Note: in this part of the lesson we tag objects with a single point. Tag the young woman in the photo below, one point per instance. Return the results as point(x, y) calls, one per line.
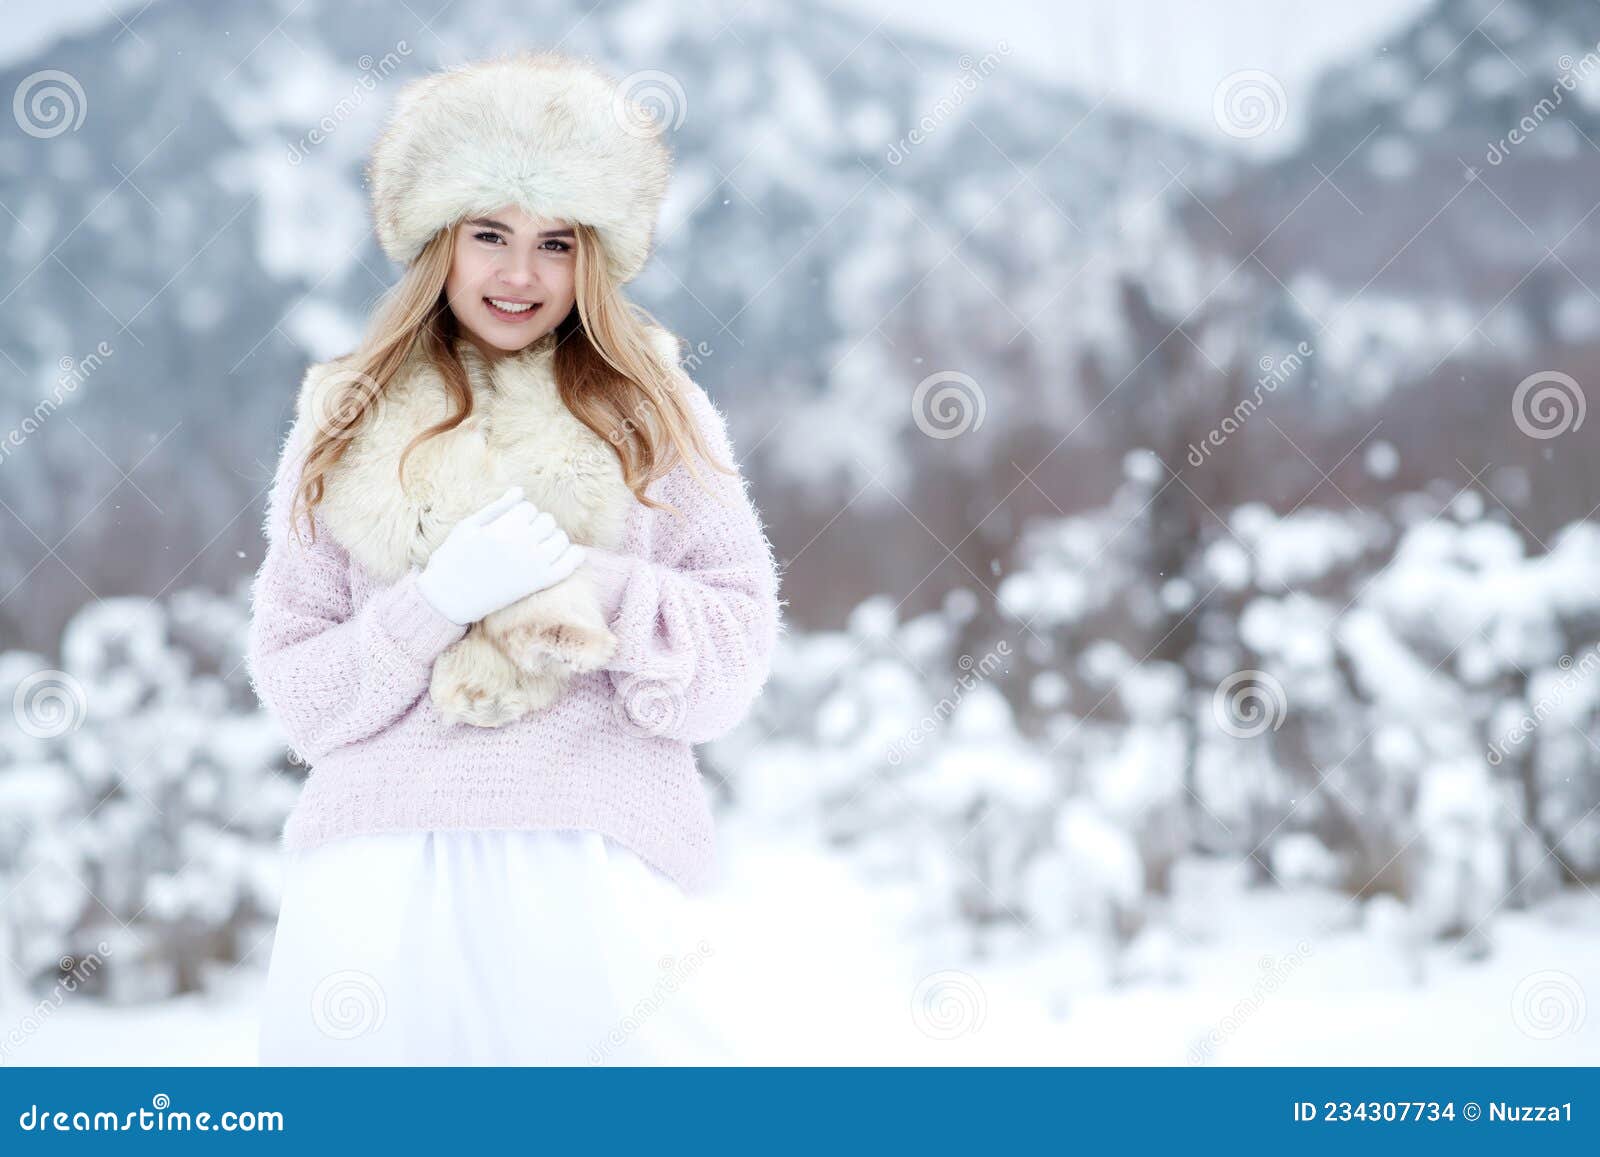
point(494, 857)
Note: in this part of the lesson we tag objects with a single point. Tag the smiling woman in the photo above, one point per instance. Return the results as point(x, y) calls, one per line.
point(512, 279)
point(500, 695)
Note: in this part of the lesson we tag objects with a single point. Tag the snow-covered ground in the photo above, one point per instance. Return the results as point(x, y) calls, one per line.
point(810, 966)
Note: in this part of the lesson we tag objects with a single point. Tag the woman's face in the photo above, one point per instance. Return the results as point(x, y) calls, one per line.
point(503, 264)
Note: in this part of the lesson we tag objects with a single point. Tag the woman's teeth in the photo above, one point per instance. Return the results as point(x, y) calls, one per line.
point(514, 308)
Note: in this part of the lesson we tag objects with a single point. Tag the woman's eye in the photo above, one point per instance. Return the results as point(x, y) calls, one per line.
point(561, 246)
point(488, 235)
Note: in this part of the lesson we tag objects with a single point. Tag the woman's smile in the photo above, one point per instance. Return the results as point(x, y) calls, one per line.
point(512, 309)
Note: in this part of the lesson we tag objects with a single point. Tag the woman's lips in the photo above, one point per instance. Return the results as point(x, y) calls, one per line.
point(512, 315)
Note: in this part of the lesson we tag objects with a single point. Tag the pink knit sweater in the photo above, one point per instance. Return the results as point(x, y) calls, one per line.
point(344, 664)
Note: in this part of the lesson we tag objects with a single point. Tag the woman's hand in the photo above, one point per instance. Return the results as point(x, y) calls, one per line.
point(490, 559)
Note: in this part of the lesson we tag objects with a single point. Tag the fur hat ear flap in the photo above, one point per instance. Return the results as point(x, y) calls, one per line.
point(549, 133)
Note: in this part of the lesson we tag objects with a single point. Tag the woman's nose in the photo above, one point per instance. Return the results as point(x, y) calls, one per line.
point(520, 272)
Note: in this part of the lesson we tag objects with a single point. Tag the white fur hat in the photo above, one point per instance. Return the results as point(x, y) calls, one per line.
point(547, 132)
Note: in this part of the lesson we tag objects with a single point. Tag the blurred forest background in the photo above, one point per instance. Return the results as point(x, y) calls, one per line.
point(1189, 523)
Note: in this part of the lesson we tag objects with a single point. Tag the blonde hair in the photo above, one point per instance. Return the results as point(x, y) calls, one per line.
point(605, 367)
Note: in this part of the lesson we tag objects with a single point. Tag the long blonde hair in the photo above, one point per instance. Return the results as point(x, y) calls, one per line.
point(605, 367)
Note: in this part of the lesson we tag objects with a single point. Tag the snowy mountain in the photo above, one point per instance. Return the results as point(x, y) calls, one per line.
point(1432, 242)
point(1416, 138)
point(205, 220)
point(871, 242)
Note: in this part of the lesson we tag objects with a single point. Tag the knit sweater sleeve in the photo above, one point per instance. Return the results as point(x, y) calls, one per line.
point(330, 674)
point(697, 618)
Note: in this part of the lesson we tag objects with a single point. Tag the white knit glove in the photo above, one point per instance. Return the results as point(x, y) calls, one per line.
point(490, 559)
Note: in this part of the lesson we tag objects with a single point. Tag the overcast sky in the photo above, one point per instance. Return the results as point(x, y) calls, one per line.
point(1165, 57)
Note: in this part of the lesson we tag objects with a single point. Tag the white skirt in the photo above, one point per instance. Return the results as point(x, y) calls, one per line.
point(521, 947)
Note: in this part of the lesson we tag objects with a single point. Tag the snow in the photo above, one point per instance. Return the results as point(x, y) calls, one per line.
point(910, 839)
point(812, 966)
point(1062, 850)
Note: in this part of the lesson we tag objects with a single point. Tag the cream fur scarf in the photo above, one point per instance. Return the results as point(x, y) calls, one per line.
point(518, 659)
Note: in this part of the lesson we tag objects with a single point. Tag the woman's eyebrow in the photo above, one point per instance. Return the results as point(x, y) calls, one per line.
point(490, 223)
